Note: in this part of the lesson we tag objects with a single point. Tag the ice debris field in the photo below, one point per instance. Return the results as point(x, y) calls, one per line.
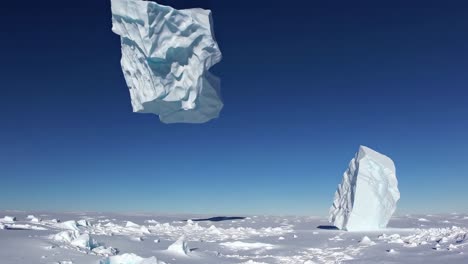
point(100, 238)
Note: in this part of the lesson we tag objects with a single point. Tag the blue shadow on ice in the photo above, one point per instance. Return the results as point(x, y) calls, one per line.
point(327, 227)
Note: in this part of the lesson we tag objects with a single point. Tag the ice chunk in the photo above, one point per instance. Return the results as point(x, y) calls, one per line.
point(33, 219)
point(23, 227)
point(83, 222)
point(367, 197)
point(179, 247)
point(9, 219)
point(166, 55)
point(84, 241)
point(105, 251)
point(68, 225)
point(366, 241)
point(131, 224)
point(66, 236)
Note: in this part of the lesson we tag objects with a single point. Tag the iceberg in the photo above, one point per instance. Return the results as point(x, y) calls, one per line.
point(166, 55)
point(367, 197)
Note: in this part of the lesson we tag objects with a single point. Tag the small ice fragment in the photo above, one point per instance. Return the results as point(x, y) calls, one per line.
point(33, 219)
point(179, 247)
point(131, 224)
point(138, 239)
point(105, 251)
point(83, 222)
point(366, 241)
point(8, 219)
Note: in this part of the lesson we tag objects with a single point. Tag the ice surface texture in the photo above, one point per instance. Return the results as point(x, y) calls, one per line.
point(252, 240)
point(130, 259)
point(367, 197)
point(166, 55)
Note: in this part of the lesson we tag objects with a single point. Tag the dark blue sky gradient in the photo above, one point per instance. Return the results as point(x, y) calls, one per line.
point(304, 84)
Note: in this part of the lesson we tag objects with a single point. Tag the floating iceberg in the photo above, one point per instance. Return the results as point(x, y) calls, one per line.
point(166, 55)
point(367, 197)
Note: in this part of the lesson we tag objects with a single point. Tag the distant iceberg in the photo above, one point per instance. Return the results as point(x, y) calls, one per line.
point(368, 195)
point(166, 55)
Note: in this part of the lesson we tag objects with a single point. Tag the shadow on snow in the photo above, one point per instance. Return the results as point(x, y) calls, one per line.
point(218, 219)
point(327, 227)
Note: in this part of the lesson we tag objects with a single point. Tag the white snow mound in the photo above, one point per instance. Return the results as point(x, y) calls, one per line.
point(130, 259)
point(240, 245)
point(367, 197)
point(131, 224)
point(33, 219)
point(166, 55)
point(366, 241)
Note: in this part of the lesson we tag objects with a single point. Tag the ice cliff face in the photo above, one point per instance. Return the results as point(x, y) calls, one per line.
point(367, 197)
point(166, 54)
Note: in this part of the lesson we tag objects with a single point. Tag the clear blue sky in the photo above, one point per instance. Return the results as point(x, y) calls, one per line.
point(304, 84)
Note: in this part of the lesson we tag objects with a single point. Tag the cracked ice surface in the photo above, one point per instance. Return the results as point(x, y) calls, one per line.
point(367, 197)
point(166, 55)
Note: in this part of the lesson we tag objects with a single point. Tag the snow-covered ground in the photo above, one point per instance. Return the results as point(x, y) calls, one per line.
point(98, 238)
